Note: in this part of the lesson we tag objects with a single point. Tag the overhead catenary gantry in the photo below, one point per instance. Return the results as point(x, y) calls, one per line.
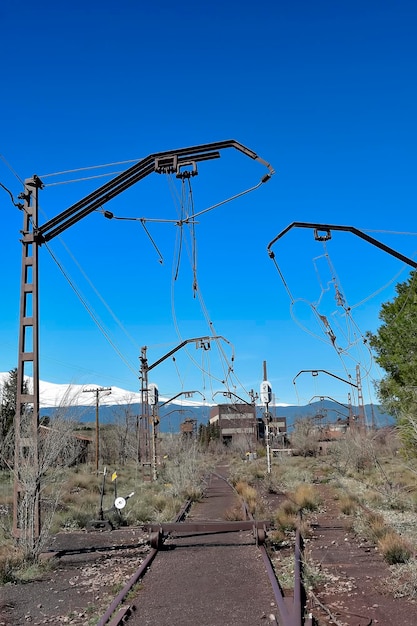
point(34, 235)
point(323, 232)
point(148, 441)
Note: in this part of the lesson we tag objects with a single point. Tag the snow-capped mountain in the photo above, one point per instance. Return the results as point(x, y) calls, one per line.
point(59, 395)
point(82, 400)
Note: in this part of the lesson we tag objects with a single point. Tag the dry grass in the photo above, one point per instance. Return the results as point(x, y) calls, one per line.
point(235, 513)
point(276, 538)
point(306, 497)
point(348, 505)
point(289, 507)
point(84, 479)
point(285, 520)
point(377, 526)
point(249, 495)
point(394, 548)
point(402, 581)
point(10, 560)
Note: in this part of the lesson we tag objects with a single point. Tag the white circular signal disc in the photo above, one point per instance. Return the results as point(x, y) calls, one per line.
point(120, 503)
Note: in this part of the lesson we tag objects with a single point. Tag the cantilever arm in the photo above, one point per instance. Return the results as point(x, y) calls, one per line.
point(351, 229)
point(160, 162)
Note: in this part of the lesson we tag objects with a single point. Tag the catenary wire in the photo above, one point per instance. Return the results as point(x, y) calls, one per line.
point(89, 167)
point(100, 297)
point(3, 158)
point(72, 284)
point(84, 178)
point(89, 310)
point(182, 211)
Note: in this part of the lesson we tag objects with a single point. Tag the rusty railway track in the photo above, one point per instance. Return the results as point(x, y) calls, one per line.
point(200, 527)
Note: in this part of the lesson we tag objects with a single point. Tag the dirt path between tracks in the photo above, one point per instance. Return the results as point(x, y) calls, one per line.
point(356, 589)
point(78, 587)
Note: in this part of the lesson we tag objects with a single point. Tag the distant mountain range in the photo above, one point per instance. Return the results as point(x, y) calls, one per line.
point(80, 405)
point(173, 414)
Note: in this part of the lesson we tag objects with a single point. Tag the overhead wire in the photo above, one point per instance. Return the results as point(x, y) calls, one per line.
point(341, 302)
point(185, 201)
point(90, 311)
point(13, 201)
point(15, 174)
point(352, 334)
point(238, 195)
point(88, 307)
point(388, 232)
point(196, 289)
point(185, 218)
point(60, 266)
point(84, 178)
point(284, 282)
point(100, 297)
point(89, 167)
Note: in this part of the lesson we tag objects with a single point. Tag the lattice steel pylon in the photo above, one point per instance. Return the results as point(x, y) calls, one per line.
point(28, 519)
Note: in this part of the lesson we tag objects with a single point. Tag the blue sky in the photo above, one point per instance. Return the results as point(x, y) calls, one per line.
point(325, 92)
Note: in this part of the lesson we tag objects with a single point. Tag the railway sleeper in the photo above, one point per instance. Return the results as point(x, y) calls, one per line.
point(157, 532)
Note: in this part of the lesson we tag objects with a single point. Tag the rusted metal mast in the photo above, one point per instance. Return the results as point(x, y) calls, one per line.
point(27, 399)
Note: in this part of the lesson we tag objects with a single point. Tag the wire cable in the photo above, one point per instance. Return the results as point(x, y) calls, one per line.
point(90, 167)
point(16, 204)
point(89, 310)
point(84, 178)
point(3, 158)
point(100, 297)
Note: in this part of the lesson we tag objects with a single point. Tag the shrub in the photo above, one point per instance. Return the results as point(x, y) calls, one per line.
point(10, 560)
point(306, 497)
point(394, 548)
point(403, 580)
point(248, 494)
point(285, 520)
point(348, 505)
point(235, 513)
point(377, 527)
point(276, 538)
point(289, 507)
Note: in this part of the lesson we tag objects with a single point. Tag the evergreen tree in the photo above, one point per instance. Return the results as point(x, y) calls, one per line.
point(8, 394)
point(395, 347)
point(8, 403)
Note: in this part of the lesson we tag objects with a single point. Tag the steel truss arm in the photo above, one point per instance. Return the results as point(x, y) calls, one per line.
point(162, 163)
point(327, 228)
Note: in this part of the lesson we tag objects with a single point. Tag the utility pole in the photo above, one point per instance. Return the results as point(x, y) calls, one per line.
point(266, 397)
point(144, 420)
point(361, 410)
point(97, 392)
point(26, 424)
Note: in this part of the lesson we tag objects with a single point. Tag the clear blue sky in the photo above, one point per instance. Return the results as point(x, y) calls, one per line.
point(325, 91)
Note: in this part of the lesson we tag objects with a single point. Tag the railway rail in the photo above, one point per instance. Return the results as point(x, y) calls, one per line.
point(207, 569)
point(214, 565)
